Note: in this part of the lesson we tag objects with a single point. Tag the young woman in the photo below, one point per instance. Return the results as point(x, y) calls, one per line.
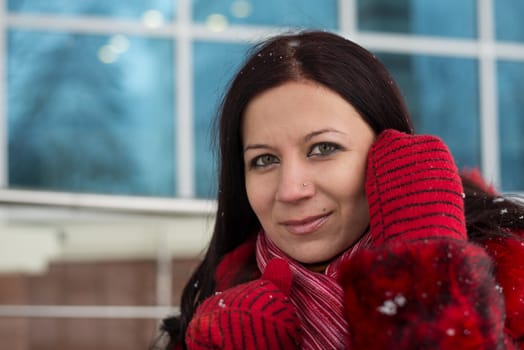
point(337, 228)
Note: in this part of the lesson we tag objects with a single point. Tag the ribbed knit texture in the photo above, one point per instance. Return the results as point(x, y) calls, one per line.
point(253, 315)
point(417, 237)
point(413, 189)
point(317, 297)
point(419, 284)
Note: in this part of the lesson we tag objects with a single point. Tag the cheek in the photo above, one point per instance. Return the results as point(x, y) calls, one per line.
point(258, 196)
point(350, 180)
point(348, 189)
point(356, 195)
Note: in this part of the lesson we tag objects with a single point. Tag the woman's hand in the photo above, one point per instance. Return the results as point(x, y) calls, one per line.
point(414, 190)
point(253, 315)
point(419, 284)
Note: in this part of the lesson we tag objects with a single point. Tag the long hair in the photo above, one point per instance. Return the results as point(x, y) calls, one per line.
point(488, 213)
point(320, 57)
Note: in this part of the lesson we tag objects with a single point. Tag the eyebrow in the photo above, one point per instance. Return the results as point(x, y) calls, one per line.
point(307, 138)
point(255, 146)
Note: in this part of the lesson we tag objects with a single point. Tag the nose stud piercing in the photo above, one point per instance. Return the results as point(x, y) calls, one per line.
point(304, 184)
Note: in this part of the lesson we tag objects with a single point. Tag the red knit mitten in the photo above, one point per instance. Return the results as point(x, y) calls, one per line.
point(420, 285)
point(435, 295)
point(413, 188)
point(253, 315)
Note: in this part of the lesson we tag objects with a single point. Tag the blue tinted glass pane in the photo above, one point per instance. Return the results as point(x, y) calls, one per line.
point(442, 97)
point(214, 66)
point(511, 124)
point(303, 13)
point(441, 18)
point(509, 23)
point(114, 8)
point(90, 113)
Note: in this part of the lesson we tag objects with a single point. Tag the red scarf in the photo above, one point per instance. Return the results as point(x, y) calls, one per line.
point(318, 297)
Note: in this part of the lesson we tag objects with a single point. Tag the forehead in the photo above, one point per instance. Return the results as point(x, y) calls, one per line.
point(296, 107)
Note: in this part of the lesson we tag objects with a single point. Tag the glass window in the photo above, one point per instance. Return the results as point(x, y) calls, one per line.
point(440, 18)
point(304, 13)
point(508, 20)
point(90, 113)
point(442, 97)
point(511, 124)
point(214, 67)
point(151, 10)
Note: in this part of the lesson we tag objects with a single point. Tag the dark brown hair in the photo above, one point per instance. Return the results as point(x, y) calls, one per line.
point(321, 57)
point(488, 213)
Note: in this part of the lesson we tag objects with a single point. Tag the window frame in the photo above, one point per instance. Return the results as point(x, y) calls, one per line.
point(184, 32)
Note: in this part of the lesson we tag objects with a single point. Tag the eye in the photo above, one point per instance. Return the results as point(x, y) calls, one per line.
point(323, 149)
point(264, 161)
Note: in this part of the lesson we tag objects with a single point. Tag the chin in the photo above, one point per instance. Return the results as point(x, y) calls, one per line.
point(316, 259)
point(313, 252)
point(309, 261)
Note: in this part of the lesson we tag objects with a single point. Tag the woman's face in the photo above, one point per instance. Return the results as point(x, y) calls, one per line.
point(305, 151)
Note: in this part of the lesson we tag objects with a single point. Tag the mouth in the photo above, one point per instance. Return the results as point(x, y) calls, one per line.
point(306, 225)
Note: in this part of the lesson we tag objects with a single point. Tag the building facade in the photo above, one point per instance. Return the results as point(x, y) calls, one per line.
point(107, 166)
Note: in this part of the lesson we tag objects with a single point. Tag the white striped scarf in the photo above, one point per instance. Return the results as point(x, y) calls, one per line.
point(317, 297)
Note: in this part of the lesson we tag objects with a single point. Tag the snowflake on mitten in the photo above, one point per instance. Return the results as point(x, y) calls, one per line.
point(433, 295)
point(419, 284)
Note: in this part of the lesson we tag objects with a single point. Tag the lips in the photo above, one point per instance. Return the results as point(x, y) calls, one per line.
point(306, 225)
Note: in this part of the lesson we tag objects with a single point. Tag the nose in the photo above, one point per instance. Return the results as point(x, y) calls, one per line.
point(294, 183)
